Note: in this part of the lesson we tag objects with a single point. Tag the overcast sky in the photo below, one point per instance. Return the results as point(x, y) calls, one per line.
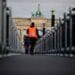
point(24, 8)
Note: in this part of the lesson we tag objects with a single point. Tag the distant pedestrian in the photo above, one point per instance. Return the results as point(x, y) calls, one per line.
point(26, 44)
point(33, 35)
point(44, 29)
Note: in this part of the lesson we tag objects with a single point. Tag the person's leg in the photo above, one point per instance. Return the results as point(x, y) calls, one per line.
point(30, 45)
point(32, 42)
point(26, 51)
point(33, 45)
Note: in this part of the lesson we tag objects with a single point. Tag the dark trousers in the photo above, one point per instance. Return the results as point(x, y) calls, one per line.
point(32, 43)
point(26, 50)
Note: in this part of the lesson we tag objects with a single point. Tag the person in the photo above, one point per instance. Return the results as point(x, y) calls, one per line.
point(33, 35)
point(26, 44)
point(43, 29)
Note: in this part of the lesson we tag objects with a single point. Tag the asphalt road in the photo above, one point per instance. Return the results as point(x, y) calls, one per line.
point(37, 65)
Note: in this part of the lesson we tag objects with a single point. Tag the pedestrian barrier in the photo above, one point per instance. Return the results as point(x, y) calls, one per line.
point(60, 39)
point(9, 37)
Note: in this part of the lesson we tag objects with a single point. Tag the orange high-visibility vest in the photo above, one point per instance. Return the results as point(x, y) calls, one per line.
point(32, 32)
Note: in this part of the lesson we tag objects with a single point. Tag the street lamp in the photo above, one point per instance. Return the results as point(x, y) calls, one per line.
point(53, 18)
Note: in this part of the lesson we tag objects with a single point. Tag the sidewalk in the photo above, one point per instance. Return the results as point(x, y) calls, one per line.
point(10, 54)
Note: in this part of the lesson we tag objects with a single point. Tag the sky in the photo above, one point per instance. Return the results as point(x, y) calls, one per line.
point(24, 8)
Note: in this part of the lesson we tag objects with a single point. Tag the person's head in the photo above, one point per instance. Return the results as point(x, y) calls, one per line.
point(25, 36)
point(32, 24)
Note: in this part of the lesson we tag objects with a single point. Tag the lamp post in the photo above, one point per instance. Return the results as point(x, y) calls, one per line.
point(52, 18)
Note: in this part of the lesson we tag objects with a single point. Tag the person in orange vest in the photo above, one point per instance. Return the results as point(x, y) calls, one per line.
point(33, 35)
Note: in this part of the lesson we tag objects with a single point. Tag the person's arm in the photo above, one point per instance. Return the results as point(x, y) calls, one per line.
point(27, 31)
point(37, 33)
